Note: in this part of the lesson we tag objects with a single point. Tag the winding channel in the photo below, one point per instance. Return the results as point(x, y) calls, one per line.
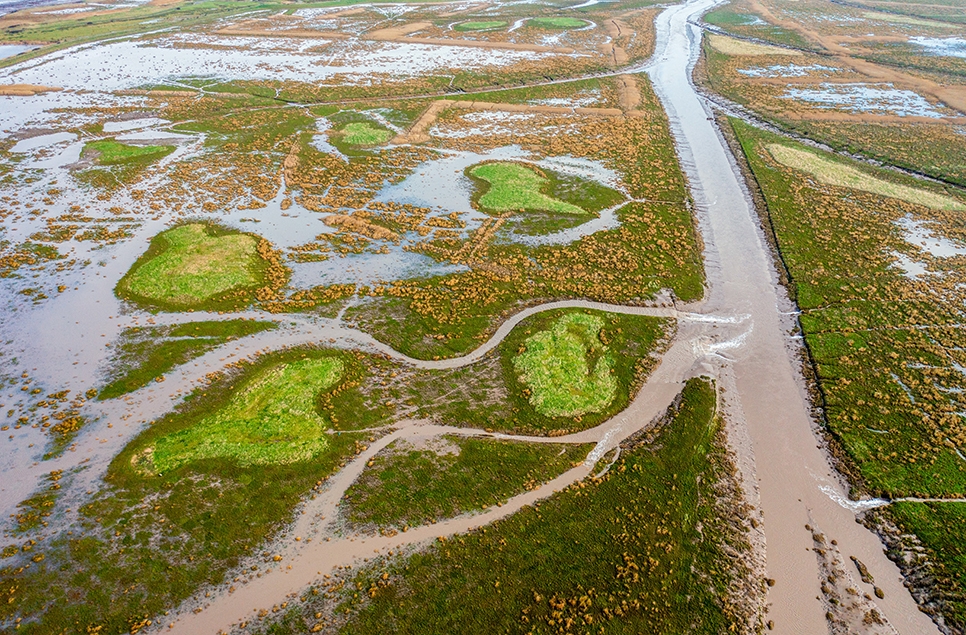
point(739, 335)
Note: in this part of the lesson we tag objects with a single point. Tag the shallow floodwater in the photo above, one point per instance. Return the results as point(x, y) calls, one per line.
point(942, 46)
point(9, 50)
point(881, 99)
point(141, 62)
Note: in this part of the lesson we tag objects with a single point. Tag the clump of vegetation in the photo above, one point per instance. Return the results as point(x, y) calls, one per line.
point(274, 419)
point(480, 25)
point(365, 133)
point(413, 486)
point(661, 543)
point(556, 23)
point(200, 266)
point(514, 187)
point(111, 152)
point(146, 353)
point(567, 369)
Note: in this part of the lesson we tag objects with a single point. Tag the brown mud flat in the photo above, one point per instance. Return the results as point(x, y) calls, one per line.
point(419, 132)
point(25, 90)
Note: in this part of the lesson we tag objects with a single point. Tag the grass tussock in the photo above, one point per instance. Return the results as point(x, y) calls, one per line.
point(514, 187)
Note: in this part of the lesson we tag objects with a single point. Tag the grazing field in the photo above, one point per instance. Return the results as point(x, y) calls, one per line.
point(557, 23)
point(642, 565)
point(407, 485)
point(885, 343)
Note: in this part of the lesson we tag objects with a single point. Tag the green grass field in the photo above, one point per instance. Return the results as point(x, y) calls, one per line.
point(364, 133)
point(191, 265)
point(481, 25)
point(410, 486)
point(650, 548)
point(146, 353)
point(568, 371)
point(273, 420)
point(514, 187)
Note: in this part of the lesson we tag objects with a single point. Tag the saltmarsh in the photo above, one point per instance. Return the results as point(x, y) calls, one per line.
point(144, 354)
point(839, 174)
point(568, 371)
point(887, 349)
point(364, 133)
point(273, 420)
point(111, 152)
point(482, 25)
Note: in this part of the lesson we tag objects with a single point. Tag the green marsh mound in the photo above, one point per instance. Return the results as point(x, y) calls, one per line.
point(483, 25)
point(196, 265)
point(567, 369)
point(274, 420)
point(513, 187)
point(364, 133)
point(556, 23)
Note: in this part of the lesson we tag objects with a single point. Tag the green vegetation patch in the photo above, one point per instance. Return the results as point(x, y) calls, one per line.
point(111, 152)
point(567, 369)
point(513, 187)
point(840, 175)
point(195, 264)
point(655, 546)
point(365, 133)
point(413, 486)
point(483, 25)
point(557, 23)
point(146, 353)
point(274, 420)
